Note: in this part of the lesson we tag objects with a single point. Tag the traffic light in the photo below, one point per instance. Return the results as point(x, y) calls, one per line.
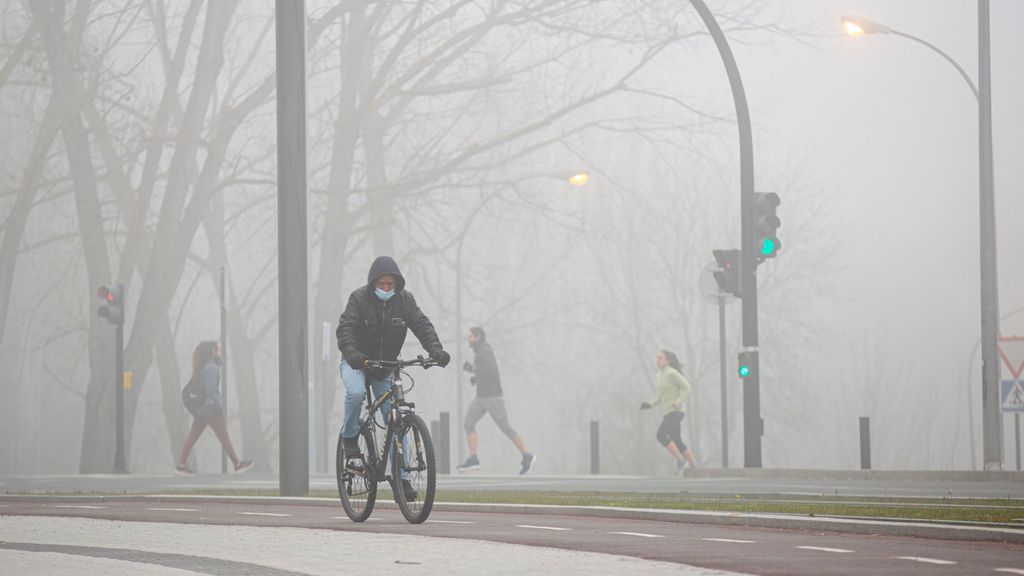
point(766, 225)
point(728, 275)
point(113, 303)
point(746, 364)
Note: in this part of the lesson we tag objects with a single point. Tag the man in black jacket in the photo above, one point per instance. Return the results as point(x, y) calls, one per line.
point(373, 327)
point(488, 400)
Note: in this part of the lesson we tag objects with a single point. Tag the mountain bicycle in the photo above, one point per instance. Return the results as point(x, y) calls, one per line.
point(406, 443)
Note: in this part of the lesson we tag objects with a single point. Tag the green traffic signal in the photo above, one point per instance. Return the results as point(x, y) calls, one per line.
point(744, 371)
point(768, 246)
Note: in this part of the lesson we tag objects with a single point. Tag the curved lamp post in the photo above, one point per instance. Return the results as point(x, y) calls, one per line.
point(991, 422)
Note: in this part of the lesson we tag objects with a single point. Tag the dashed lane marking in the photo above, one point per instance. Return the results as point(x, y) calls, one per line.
point(79, 506)
point(172, 509)
point(1008, 570)
point(541, 527)
point(347, 518)
point(640, 534)
point(265, 514)
point(451, 522)
point(730, 540)
point(927, 560)
point(823, 549)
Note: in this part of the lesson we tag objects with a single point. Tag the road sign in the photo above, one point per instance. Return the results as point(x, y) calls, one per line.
point(1011, 395)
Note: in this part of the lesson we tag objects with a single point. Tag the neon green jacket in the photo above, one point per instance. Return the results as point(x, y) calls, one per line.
point(672, 390)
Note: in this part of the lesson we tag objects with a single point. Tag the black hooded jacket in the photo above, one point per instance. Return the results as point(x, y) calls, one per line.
point(376, 328)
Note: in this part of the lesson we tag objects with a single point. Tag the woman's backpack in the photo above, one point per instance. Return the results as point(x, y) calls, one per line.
point(193, 396)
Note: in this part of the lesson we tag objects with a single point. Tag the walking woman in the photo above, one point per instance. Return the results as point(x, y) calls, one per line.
point(206, 369)
point(672, 389)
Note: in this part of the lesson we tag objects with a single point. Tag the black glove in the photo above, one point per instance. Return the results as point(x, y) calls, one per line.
point(441, 357)
point(357, 361)
point(645, 405)
point(472, 380)
point(467, 366)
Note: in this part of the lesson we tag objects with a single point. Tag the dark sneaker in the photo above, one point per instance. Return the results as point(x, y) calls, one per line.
point(410, 492)
point(243, 467)
point(351, 447)
point(182, 470)
point(527, 463)
point(471, 463)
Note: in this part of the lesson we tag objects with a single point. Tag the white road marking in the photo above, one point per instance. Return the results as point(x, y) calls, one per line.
point(451, 522)
point(172, 509)
point(728, 540)
point(264, 514)
point(822, 549)
point(79, 506)
point(346, 518)
point(541, 527)
point(640, 534)
point(926, 560)
point(1009, 570)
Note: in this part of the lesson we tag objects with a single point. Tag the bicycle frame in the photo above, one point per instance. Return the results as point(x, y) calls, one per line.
point(399, 409)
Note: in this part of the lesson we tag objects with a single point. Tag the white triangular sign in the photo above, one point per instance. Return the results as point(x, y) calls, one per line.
point(1015, 399)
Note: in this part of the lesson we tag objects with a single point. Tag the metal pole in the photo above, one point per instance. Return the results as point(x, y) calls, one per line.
point(865, 443)
point(326, 346)
point(753, 426)
point(224, 356)
point(992, 417)
point(458, 345)
point(120, 467)
point(595, 447)
point(1016, 436)
point(292, 264)
point(445, 440)
point(722, 371)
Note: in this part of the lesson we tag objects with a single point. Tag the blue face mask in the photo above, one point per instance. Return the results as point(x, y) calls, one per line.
point(385, 296)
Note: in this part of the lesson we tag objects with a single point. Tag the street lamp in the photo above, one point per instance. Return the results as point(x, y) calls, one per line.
point(574, 178)
point(992, 430)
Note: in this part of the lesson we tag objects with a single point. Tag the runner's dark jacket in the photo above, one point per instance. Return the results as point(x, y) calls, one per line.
point(485, 369)
point(376, 328)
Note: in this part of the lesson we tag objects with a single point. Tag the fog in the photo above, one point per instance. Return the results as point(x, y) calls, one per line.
point(140, 148)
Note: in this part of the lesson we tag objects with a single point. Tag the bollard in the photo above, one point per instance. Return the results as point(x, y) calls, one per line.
point(595, 452)
point(435, 431)
point(444, 445)
point(865, 443)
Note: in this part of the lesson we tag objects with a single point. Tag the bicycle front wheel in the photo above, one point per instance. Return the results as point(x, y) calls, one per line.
point(356, 485)
point(413, 469)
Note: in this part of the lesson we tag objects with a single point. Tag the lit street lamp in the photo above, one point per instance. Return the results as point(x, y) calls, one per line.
point(991, 421)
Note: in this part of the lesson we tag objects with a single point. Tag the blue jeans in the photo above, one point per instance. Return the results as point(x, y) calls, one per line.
point(355, 395)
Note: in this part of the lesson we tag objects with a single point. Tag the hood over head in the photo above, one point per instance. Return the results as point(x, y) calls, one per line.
point(381, 266)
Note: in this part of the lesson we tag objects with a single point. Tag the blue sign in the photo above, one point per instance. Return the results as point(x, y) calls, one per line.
point(1011, 395)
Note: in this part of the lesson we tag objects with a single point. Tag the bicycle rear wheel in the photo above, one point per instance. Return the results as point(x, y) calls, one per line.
point(356, 485)
point(414, 464)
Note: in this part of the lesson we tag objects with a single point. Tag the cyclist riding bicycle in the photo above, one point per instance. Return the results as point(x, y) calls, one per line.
point(373, 327)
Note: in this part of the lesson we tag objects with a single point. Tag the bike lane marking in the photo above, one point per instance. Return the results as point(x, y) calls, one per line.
point(640, 534)
point(172, 509)
point(1008, 570)
point(79, 506)
point(926, 560)
point(541, 527)
point(729, 540)
point(265, 514)
point(823, 549)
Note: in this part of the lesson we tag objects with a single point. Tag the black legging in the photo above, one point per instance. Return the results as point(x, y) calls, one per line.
point(669, 430)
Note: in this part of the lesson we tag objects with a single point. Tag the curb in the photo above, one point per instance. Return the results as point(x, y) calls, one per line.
point(886, 527)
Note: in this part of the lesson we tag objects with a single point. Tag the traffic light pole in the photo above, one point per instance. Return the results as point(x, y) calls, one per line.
point(752, 423)
point(724, 382)
point(119, 462)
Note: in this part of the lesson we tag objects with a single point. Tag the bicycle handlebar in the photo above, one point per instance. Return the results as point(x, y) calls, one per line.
point(393, 364)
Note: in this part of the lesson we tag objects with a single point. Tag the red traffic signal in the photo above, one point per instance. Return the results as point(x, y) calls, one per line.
point(113, 303)
point(728, 275)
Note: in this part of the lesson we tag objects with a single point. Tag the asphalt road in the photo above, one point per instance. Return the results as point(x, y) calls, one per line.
point(737, 549)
